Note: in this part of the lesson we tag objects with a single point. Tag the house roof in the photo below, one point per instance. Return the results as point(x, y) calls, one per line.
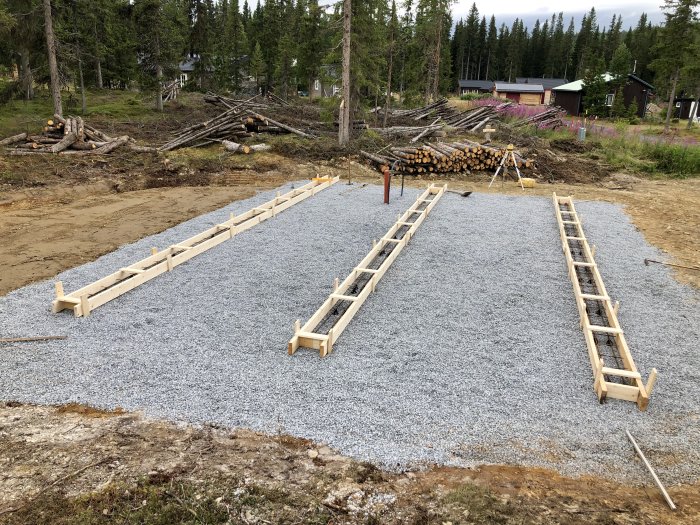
point(476, 84)
point(546, 83)
point(505, 87)
point(635, 77)
point(578, 85)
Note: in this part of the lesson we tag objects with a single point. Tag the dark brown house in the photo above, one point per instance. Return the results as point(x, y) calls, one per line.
point(570, 96)
point(684, 106)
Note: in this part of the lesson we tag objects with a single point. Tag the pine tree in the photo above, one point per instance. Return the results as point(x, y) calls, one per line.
point(161, 24)
point(674, 45)
point(618, 109)
point(257, 65)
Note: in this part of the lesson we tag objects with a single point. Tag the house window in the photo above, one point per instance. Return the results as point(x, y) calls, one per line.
point(609, 99)
point(336, 90)
point(183, 79)
point(317, 85)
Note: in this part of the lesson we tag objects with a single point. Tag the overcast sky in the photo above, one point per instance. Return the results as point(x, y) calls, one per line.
point(530, 10)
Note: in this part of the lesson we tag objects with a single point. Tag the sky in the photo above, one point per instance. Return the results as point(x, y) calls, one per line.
point(530, 10)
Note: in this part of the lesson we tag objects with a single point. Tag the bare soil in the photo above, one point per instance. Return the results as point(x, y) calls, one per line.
point(74, 464)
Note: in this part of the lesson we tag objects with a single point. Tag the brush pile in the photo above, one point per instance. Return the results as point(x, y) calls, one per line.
point(239, 121)
point(441, 112)
point(453, 157)
point(550, 118)
point(474, 119)
point(69, 135)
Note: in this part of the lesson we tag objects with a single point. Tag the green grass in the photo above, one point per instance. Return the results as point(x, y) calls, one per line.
point(627, 153)
point(20, 115)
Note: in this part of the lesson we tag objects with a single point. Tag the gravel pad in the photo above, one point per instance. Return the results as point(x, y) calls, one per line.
point(469, 352)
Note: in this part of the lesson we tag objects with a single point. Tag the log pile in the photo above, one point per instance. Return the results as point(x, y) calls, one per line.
point(475, 119)
point(550, 118)
point(171, 90)
point(69, 135)
point(235, 123)
point(441, 158)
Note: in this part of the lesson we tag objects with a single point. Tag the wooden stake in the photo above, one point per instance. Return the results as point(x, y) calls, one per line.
point(651, 471)
point(32, 339)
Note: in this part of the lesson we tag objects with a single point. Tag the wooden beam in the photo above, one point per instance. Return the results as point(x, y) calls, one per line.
point(91, 296)
point(306, 336)
point(637, 392)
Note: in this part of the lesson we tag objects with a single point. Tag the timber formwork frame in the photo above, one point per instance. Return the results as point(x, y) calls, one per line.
point(86, 299)
point(615, 374)
point(325, 326)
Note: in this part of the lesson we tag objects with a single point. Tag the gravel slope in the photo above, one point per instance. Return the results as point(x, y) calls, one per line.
point(469, 352)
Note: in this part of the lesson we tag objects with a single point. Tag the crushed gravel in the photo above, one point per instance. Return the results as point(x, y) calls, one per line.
point(469, 352)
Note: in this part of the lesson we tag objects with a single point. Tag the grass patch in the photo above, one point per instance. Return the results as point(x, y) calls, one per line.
point(30, 115)
point(161, 500)
point(475, 504)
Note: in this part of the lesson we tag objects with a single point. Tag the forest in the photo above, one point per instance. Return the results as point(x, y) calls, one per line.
point(414, 48)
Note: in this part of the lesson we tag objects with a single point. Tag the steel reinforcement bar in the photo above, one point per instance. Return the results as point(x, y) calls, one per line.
point(615, 374)
point(334, 315)
point(86, 299)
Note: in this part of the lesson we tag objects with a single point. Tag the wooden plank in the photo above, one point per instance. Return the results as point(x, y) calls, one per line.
point(670, 503)
point(637, 393)
point(95, 294)
point(305, 336)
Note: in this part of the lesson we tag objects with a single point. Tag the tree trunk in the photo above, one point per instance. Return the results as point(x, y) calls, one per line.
point(98, 62)
point(26, 78)
point(98, 72)
point(387, 105)
point(669, 111)
point(159, 94)
point(53, 64)
point(438, 53)
point(83, 97)
point(344, 128)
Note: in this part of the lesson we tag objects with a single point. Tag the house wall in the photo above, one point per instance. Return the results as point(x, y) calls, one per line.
point(683, 112)
point(531, 99)
point(636, 91)
point(547, 96)
point(569, 101)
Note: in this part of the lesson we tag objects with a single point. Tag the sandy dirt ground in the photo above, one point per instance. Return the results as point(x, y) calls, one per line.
point(52, 455)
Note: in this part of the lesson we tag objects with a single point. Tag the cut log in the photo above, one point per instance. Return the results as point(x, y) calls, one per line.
point(111, 146)
point(283, 126)
point(13, 139)
point(65, 142)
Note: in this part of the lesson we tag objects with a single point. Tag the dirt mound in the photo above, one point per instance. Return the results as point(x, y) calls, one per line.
point(570, 168)
point(571, 145)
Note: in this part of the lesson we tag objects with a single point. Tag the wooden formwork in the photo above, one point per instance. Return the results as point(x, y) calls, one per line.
point(616, 382)
point(397, 237)
point(86, 299)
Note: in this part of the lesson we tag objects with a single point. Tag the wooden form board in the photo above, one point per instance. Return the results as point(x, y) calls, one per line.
point(305, 336)
point(86, 299)
point(638, 392)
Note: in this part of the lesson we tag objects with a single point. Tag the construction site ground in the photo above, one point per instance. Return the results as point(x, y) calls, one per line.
point(77, 465)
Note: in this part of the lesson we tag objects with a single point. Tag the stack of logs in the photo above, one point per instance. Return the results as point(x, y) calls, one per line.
point(68, 135)
point(453, 157)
